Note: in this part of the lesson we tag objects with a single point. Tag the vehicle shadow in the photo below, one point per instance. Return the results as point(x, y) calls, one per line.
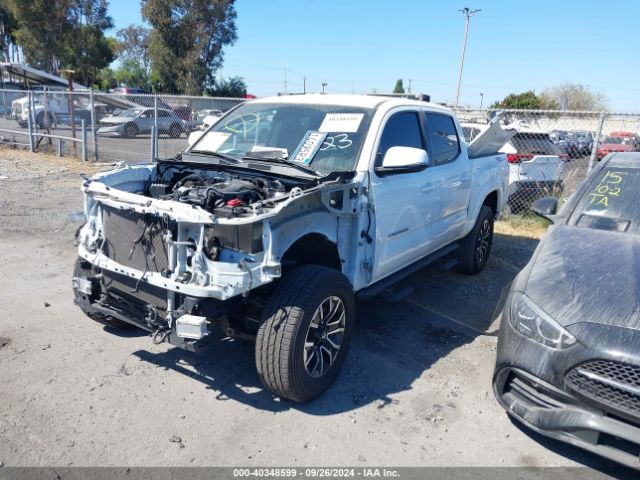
point(393, 345)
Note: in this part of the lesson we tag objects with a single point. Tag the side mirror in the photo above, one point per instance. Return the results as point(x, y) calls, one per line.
point(545, 207)
point(403, 160)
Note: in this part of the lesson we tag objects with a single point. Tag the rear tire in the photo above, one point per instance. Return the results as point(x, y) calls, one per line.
point(475, 248)
point(175, 131)
point(309, 314)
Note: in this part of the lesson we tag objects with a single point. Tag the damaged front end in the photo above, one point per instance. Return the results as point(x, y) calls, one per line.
point(174, 248)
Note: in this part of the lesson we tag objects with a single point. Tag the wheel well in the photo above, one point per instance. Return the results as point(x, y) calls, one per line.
point(312, 249)
point(491, 201)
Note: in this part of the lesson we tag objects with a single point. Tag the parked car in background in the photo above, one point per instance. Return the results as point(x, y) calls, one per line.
point(136, 121)
point(129, 90)
point(536, 165)
point(204, 119)
point(53, 108)
point(631, 138)
point(566, 142)
point(568, 355)
point(184, 113)
point(584, 142)
point(612, 144)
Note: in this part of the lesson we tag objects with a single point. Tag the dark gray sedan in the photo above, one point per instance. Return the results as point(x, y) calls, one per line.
point(568, 360)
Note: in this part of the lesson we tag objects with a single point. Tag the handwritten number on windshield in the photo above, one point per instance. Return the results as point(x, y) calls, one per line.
point(340, 141)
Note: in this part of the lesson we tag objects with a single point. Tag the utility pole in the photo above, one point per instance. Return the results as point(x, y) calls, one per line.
point(285, 80)
point(304, 84)
point(324, 84)
point(353, 87)
point(481, 98)
point(409, 87)
point(467, 14)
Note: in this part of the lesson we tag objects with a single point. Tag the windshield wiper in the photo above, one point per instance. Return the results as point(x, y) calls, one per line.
point(222, 156)
point(282, 161)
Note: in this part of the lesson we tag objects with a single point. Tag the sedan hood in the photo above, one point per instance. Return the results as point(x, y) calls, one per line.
point(586, 275)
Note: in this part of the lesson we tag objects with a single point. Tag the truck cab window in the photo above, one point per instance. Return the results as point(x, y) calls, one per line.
point(402, 130)
point(442, 137)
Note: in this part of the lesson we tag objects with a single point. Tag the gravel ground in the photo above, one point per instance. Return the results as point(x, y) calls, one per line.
point(415, 389)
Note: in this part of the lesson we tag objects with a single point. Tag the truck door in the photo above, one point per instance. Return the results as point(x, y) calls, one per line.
point(450, 178)
point(403, 207)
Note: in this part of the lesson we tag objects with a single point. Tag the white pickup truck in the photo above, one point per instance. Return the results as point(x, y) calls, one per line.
point(277, 218)
point(52, 108)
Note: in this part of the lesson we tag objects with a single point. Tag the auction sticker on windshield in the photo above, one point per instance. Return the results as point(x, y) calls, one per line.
point(212, 141)
point(341, 122)
point(308, 147)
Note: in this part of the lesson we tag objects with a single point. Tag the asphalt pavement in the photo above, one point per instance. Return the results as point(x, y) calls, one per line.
point(415, 389)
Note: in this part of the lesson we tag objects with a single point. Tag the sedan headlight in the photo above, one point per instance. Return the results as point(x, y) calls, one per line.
point(533, 322)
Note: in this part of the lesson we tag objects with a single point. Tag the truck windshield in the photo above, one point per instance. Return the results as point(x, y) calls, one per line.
point(327, 138)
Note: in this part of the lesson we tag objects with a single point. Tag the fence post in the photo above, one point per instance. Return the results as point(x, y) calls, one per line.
point(154, 152)
point(596, 141)
point(31, 141)
point(32, 112)
point(60, 147)
point(154, 138)
point(94, 137)
point(83, 128)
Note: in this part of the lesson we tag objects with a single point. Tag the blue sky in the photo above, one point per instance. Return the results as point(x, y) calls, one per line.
point(364, 45)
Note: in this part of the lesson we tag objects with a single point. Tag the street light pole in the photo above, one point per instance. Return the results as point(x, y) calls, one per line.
point(481, 99)
point(324, 84)
point(467, 14)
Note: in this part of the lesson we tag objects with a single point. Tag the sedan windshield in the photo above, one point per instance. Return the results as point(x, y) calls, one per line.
point(325, 138)
point(611, 202)
point(132, 112)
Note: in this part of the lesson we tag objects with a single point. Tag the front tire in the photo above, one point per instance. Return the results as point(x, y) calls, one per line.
point(475, 248)
point(130, 130)
point(305, 332)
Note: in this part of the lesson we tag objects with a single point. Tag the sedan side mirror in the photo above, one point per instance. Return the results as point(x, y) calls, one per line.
point(403, 160)
point(545, 207)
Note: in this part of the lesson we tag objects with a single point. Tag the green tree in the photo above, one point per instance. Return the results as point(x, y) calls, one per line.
point(133, 51)
point(187, 40)
point(8, 26)
point(106, 79)
point(574, 97)
point(64, 33)
point(132, 74)
point(232, 87)
point(42, 31)
point(399, 88)
point(527, 100)
point(86, 49)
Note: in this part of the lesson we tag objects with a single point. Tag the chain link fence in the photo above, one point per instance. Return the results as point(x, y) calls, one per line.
point(107, 127)
point(550, 155)
point(553, 151)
